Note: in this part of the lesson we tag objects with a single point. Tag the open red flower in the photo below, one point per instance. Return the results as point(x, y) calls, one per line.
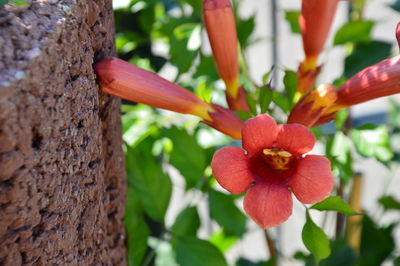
point(271, 168)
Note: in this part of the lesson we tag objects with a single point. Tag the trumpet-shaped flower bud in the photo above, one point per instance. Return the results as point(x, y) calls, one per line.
point(272, 168)
point(240, 103)
point(315, 22)
point(382, 79)
point(312, 106)
point(121, 79)
point(221, 30)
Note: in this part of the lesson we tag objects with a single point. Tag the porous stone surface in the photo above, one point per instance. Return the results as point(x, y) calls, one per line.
point(62, 182)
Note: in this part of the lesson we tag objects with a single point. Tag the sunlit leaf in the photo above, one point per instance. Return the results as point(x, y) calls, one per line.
point(354, 31)
point(373, 141)
point(187, 155)
point(315, 239)
point(196, 252)
point(292, 17)
point(334, 203)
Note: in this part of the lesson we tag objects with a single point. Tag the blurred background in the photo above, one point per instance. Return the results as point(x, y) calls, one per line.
point(167, 37)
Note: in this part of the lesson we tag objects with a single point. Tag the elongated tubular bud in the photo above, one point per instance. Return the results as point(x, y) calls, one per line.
point(240, 103)
point(221, 30)
point(382, 79)
point(311, 107)
point(126, 81)
point(226, 121)
point(315, 23)
point(121, 79)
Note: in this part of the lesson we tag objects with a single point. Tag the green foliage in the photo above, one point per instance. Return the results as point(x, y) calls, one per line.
point(196, 252)
point(292, 17)
point(315, 239)
point(334, 203)
point(148, 180)
point(137, 229)
point(225, 212)
point(187, 223)
point(14, 2)
point(389, 203)
point(354, 31)
point(372, 141)
point(187, 155)
point(376, 243)
point(364, 55)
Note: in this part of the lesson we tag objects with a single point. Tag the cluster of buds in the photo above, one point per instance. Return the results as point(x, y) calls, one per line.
point(321, 105)
point(121, 79)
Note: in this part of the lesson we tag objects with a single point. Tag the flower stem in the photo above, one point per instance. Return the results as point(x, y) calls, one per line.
point(270, 244)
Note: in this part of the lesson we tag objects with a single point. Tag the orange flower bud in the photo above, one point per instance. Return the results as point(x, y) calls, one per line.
point(226, 121)
point(121, 79)
point(382, 79)
point(240, 103)
point(315, 23)
point(220, 25)
point(312, 106)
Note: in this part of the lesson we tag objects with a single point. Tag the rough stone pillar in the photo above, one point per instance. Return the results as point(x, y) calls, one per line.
point(62, 182)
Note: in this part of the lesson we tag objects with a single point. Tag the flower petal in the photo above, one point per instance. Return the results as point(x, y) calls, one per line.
point(231, 170)
point(259, 133)
point(295, 138)
point(313, 180)
point(268, 204)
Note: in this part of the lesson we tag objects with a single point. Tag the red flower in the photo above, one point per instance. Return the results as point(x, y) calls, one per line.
point(272, 167)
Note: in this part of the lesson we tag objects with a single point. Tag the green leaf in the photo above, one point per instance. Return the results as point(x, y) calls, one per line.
point(196, 252)
point(373, 141)
point(222, 241)
point(187, 223)
point(281, 101)
point(246, 262)
point(290, 82)
point(315, 239)
point(225, 212)
point(365, 55)
point(292, 17)
point(146, 177)
point(187, 155)
point(376, 243)
point(136, 228)
point(334, 203)
point(395, 5)
point(245, 28)
point(389, 203)
point(342, 254)
point(338, 151)
point(354, 31)
point(265, 98)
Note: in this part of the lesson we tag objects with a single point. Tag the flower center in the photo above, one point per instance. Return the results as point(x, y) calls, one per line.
point(277, 159)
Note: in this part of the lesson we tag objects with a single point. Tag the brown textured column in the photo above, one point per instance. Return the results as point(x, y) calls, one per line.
point(62, 181)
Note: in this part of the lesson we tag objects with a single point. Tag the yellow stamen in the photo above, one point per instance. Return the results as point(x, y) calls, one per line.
point(278, 159)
